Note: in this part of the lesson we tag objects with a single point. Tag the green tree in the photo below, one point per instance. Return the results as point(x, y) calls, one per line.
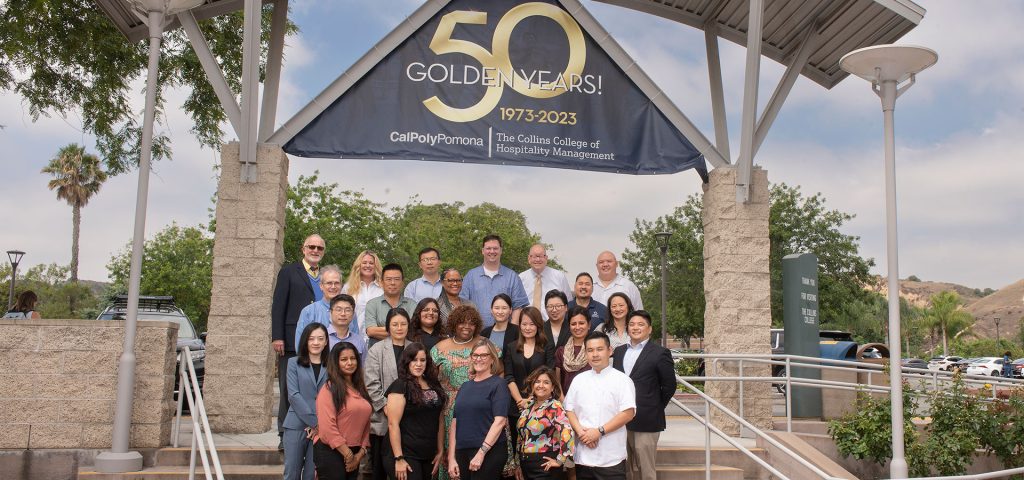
point(347, 220)
point(58, 296)
point(946, 317)
point(177, 261)
point(456, 231)
point(77, 176)
point(796, 224)
point(65, 56)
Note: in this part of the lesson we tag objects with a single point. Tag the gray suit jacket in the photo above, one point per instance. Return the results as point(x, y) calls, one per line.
point(302, 392)
point(381, 371)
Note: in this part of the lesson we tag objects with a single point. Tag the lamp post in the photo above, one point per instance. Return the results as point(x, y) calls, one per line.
point(887, 67)
point(662, 238)
point(119, 458)
point(15, 258)
point(997, 331)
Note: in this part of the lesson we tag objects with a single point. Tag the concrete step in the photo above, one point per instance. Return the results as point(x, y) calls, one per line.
point(723, 456)
point(817, 427)
point(167, 457)
point(233, 472)
point(698, 472)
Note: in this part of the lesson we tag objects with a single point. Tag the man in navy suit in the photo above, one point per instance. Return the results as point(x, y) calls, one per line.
point(650, 367)
point(297, 286)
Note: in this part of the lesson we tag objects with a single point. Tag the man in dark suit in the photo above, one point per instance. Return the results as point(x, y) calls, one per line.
point(297, 286)
point(650, 367)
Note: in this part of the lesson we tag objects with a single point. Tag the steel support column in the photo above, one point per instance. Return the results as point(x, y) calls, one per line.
point(214, 74)
point(717, 90)
point(750, 83)
point(796, 64)
point(250, 89)
point(275, 54)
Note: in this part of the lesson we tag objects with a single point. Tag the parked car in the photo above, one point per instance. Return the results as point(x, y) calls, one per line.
point(163, 308)
point(1018, 368)
point(992, 366)
point(961, 365)
point(942, 363)
point(914, 363)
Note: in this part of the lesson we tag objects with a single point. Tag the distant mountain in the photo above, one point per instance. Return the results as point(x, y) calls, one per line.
point(1006, 304)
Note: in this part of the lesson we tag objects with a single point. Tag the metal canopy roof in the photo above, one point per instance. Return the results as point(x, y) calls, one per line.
point(124, 17)
point(843, 25)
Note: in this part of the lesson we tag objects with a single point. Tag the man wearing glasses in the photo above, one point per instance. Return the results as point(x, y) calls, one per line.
point(429, 285)
point(320, 311)
point(540, 279)
point(297, 287)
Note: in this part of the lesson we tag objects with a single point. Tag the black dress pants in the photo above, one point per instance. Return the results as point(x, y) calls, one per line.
point(614, 472)
point(532, 465)
point(494, 462)
point(282, 383)
point(420, 468)
point(330, 465)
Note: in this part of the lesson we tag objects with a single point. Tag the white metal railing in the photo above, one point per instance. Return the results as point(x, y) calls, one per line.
point(188, 388)
point(916, 376)
point(708, 428)
point(790, 361)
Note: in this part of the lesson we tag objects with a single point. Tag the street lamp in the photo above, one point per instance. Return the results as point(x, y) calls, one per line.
point(119, 458)
point(15, 258)
point(886, 67)
point(662, 238)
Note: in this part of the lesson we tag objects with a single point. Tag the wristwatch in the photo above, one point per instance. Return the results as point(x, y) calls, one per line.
point(601, 430)
point(400, 457)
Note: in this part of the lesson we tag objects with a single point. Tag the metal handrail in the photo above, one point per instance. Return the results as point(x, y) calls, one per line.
point(708, 403)
point(978, 476)
point(188, 388)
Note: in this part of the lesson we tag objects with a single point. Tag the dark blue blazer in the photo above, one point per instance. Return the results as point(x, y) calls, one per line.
point(654, 378)
point(291, 294)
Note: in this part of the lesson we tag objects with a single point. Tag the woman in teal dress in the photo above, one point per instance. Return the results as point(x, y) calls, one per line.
point(451, 356)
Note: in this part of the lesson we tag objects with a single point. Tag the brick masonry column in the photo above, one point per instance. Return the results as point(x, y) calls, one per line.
point(247, 252)
point(737, 290)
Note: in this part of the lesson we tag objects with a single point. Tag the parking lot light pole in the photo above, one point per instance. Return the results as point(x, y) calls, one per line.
point(663, 245)
point(887, 67)
point(15, 258)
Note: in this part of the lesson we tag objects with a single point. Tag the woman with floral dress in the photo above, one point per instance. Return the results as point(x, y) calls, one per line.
point(546, 439)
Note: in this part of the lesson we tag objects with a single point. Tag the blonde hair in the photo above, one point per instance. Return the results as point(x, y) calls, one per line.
point(497, 366)
point(352, 284)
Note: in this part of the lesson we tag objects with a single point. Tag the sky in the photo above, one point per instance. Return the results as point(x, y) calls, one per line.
point(959, 149)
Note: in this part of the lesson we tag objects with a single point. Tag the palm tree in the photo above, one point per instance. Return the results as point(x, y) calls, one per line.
point(77, 176)
point(946, 316)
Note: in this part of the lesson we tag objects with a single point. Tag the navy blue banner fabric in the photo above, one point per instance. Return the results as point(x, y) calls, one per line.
point(502, 82)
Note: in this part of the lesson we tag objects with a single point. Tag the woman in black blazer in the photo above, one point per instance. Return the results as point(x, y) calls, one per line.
point(503, 332)
point(530, 351)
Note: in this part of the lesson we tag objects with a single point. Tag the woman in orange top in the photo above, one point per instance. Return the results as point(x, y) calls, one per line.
point(343, 414)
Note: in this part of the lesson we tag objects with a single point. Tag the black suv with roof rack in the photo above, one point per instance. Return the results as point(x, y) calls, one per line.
point(163, 308)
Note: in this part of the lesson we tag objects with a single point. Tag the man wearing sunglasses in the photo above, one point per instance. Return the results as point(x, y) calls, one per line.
point(298, 285)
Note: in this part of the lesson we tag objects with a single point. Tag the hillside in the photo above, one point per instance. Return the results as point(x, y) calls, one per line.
point(1007, 303)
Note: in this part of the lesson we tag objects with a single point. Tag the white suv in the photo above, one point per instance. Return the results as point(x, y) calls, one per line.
point(986, 366)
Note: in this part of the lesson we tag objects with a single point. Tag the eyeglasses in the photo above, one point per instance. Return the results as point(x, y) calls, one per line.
point(342, 310)
point(331, 284)
point(428, 259)
point(556, 307)
point(454, 280)
point(429, 310)
point(480, 356)
point(315, 248)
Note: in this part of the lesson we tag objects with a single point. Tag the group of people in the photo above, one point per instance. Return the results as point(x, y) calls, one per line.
point(462, 377)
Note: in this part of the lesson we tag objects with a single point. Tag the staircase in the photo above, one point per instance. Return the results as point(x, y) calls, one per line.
point(170, 463)
point(687, 463)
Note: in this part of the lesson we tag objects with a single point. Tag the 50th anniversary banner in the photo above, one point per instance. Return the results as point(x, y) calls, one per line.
point(500, 82)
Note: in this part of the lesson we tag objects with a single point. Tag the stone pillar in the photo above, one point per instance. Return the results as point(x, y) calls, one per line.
point(247, 253)
point(737, 290)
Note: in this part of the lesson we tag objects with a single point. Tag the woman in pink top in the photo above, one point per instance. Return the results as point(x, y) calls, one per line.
point(343, 413)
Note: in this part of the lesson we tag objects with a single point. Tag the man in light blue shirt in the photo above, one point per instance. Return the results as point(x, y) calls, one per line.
point(429, 285)
point(320, 312)
point(343, 308)
point(482, 283)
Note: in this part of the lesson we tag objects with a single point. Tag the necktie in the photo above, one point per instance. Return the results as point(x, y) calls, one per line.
point(536, 290)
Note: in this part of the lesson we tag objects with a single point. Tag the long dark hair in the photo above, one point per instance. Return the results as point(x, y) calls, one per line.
point(414, 392)
point(609, 325)
point(336, 382)
point(540, 340)
point(26, 301)
point(303, 357)
point(416, 325)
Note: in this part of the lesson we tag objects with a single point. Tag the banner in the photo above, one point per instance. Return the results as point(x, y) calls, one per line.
point(503, 82)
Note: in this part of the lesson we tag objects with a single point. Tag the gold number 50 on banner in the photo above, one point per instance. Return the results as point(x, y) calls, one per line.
point(498, 58)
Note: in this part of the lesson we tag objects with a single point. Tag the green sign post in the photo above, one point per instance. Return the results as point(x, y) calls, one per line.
point(800, 317)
